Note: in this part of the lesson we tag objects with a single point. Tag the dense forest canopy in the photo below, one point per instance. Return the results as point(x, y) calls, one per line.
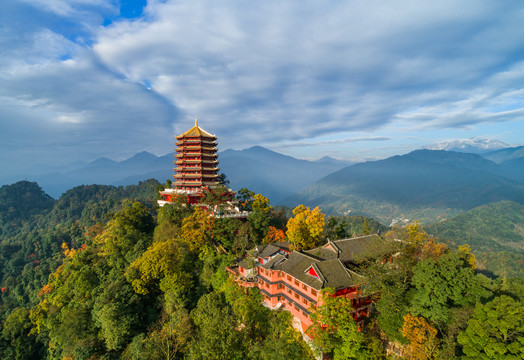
point(103, 273)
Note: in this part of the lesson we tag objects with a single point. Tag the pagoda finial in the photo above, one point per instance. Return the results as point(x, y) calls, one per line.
point(196, 121)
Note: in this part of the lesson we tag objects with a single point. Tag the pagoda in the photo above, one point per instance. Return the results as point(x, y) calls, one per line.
point(196, 166)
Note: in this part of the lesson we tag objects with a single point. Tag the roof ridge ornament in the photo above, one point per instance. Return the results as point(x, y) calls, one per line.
point(196, 122)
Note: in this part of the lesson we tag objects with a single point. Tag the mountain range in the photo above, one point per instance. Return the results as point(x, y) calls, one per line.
point(257, 168)
point(429, 185)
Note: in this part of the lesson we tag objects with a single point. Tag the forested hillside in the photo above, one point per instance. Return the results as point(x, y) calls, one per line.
point(100, 275)
point(494, 231)
point(35, 229)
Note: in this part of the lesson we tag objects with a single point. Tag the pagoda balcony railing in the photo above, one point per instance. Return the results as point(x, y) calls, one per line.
point(196, 137)
point(178, 176)
point(196, 163)
point(198, 147)
point(203, 176)
point(193, 168)
point(195, 141)
point(189, 169)
point(196, 154)
point(189, 161)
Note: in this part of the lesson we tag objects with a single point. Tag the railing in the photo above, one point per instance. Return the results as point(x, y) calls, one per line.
point(243, 214)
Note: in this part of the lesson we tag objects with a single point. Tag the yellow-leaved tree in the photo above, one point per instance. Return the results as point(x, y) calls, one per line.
point(470, 257)
point(422, 337)
point(196, 229)
point(304, 230)
point(261, 203)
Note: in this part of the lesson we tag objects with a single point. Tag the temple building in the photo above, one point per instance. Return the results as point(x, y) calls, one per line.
point(293, 280)
point(196, 171)
point(196, 165)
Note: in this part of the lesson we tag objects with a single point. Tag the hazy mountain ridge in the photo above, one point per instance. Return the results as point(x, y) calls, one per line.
point(502, 155)
point(261, 170)
point(424, 184)
point(273, 174)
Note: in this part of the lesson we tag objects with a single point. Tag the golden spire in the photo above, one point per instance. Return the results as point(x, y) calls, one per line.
point(196, 121)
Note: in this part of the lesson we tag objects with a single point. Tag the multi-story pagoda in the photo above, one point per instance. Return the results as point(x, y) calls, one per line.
point(196, 165)
point(196, 160)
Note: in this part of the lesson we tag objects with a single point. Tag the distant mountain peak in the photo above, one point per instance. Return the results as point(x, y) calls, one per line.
point(103, 161)
point(471, 145)
point(143, 155)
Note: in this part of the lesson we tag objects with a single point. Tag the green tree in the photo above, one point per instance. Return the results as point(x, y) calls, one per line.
point(225, 232)
point(16, 330)
point(161, 267)
point(260, 217)
point(334, 328)
point(496, 331)
point(444, 283)
point(127, 235)
point(281, 342)
point(216, 330)
point(245, 199)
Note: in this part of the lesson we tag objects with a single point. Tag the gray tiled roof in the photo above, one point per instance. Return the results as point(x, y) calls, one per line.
point(297, 265)
point(337, 275)
point(354, 249)
point(247, 263)
point(327, 261)
point(270, 249)
point(273, 263)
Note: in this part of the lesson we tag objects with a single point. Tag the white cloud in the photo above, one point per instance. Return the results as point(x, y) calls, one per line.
point(354, 65)
point(255, 73)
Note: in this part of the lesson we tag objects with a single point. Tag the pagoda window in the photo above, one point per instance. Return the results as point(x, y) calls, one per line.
point(289, 278)
point(304, 301)
point(304, 286)
point(313, 292)
point(296, 282)
point(289, 290)
point(296, 295)
point(304, 313)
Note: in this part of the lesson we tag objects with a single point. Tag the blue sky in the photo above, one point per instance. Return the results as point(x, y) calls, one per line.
point(82, 79)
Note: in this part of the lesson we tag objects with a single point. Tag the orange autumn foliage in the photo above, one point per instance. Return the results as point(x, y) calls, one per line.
point(45, 290)
point(274, 235)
